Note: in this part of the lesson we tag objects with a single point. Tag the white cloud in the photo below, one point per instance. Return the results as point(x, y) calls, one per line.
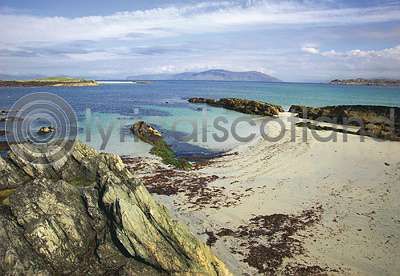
point(93, 56)
point(310, 50)
point(204, 17)
point(171, 39)
point(389, 53)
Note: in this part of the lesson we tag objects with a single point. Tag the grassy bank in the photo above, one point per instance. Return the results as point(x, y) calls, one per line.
point(51, 81)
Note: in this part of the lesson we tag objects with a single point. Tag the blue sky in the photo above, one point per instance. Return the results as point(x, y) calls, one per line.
point(293, 40)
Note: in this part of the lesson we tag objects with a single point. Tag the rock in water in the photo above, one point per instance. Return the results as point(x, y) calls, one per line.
point(376, 121)
point(146, 133)
point(152, 136)
point(242, 105)
point(46, 130)
point(87, 215)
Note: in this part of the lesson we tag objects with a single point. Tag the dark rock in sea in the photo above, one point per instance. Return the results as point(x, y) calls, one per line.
point(242, 105)
point(46, 130)
point(377, 121)
point(152, 136)
point(87, 215)
point(146, 133)
point(3, 132)
point(368, 82)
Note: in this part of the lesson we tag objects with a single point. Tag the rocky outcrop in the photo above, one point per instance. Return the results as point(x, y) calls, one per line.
point(242, 105)
point(146, 133)
point(152, 136)
point(369, 82)
point(376, 121)
point(87, 215)
point(46, 130)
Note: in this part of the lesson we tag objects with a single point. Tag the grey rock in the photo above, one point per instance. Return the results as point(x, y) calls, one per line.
point(87, 215)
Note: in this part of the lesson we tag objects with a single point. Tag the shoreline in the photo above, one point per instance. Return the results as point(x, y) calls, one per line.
point(334, 202)
point(291, 206)
point(47, 83)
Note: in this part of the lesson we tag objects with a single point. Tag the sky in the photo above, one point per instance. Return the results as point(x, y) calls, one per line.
point(294, 40)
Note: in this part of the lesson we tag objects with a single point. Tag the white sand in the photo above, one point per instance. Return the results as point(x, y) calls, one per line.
point(360, 228)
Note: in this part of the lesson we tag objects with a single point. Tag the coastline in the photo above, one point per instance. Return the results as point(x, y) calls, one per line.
point(339, 200)
point(289, 207)
point(45, 83)
point(367, 82)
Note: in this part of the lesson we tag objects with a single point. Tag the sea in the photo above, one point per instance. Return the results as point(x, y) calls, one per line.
point(106, 112)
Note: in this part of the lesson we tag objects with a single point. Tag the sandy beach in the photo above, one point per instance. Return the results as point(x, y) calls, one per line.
point(291, 207)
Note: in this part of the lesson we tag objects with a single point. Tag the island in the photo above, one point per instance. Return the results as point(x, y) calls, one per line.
point(52, 81)
point(369, 82)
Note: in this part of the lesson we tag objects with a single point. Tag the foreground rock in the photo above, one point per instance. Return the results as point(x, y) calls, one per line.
point(150, 135)
point(242, 105)
point(376, 121)
point(87, 215)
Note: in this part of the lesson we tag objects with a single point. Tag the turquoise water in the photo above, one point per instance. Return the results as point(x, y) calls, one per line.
point(116, 106)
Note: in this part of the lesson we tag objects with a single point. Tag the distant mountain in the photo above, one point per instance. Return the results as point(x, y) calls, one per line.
point(210, 75)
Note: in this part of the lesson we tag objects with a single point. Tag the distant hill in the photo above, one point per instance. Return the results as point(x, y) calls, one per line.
point(360, 81)
point(48, 81)
point(210, 75)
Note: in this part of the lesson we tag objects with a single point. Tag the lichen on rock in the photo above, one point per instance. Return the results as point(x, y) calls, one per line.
point(112, 225)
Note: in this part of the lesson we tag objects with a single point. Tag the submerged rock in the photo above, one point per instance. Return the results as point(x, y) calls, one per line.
point(152, 136)
point(242, 105)
point(86, 214)
point(376, 121)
